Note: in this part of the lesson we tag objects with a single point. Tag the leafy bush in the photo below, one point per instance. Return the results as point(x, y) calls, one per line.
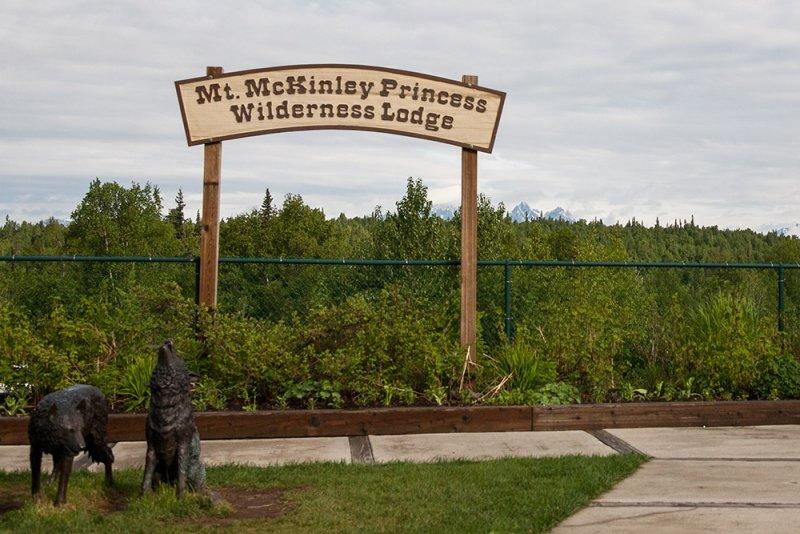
point(25, 357)
point(207, 396)
point(556, 393)
point(365, 351)
point(723, 344)
point(313, 394)
point(247, 354)
point(386, 349)
point(778, 378)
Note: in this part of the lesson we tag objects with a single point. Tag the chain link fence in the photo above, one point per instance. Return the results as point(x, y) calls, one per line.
point(509, 291)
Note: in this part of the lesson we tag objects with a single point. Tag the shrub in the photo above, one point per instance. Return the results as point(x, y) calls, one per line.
point(368, 350)
point(388, 349)
point(585, 321)
point(207, 395)
point(550, 394)
point(26, 361)
point(723, 342)
point(778, 378)
point(246, 354)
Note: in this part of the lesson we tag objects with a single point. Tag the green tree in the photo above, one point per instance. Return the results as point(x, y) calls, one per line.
point(115, 220)
point(177, 218)
point(267, 208)
point(412, 232)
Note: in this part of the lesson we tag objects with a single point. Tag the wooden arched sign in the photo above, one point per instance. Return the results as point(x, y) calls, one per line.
point(344, 97)
point(220, 106)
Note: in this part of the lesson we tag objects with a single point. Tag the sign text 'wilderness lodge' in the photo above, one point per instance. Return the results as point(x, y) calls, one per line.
point(314, 97)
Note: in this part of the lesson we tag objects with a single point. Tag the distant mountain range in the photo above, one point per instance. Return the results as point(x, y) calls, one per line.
point(785, 230)
point(520, 213)
point(444, 211)
point(524, 212)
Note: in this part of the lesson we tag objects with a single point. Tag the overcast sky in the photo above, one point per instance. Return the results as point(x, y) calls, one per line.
point(614, 110)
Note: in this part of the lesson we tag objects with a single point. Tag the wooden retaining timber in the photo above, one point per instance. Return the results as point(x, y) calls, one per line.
point(666, 414)
point(426, 420)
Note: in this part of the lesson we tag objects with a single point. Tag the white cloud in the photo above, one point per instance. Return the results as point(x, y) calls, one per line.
point(615, 109)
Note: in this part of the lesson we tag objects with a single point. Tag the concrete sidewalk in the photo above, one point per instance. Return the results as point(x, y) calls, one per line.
point(743, 479)
point(360, 449)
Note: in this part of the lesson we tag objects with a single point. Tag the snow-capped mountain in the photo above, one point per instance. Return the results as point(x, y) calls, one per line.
point(444, 211)
point(559, 214)
point(523, 212)
point(782, 229)
point(520, 213)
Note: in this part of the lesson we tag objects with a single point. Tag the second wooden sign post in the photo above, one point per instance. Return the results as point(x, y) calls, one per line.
point(469, 245)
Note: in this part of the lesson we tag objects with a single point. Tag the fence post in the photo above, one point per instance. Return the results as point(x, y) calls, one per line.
point(781, 294)
point(507, 299)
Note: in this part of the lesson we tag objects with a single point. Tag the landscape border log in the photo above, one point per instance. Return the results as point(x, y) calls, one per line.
point(427, 420)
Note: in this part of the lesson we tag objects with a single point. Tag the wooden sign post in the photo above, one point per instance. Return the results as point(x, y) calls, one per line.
point(209, 232)
point(469, 245)
point(221, 106)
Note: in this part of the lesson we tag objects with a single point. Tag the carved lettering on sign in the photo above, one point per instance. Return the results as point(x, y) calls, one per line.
point(308, 97)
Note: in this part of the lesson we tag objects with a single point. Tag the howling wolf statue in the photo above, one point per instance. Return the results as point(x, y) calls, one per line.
point(173, 444)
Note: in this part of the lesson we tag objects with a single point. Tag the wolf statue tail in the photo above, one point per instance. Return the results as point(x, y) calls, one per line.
point(196, 471)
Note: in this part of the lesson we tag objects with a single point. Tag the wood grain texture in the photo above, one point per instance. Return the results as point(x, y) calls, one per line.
point(361, 450)
point(469, 245)
point(469, 251)
point(308, 423)
point(238, 104)
point(209, 233)
point(13, 430)
point(665, 414)
point(363, 422)
point(314, 423)
point(616, 443)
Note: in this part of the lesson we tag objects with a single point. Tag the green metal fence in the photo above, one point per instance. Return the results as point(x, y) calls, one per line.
point(507, 264)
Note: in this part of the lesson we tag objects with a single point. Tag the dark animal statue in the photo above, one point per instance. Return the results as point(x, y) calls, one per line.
point(63, 424)
point(173, 444)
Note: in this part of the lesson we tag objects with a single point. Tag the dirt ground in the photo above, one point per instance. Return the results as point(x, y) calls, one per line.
point(244, 503)
point(252, 504)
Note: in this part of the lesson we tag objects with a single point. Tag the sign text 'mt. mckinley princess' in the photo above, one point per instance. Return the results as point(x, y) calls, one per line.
point(309, 97)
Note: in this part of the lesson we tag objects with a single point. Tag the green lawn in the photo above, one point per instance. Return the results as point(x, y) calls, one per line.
point(508, 495)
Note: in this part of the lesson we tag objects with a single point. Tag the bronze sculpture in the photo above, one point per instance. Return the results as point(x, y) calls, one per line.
point(63, 424)
point(173, 443)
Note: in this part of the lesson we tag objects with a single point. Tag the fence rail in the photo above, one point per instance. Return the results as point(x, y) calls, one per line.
point(507, 264)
